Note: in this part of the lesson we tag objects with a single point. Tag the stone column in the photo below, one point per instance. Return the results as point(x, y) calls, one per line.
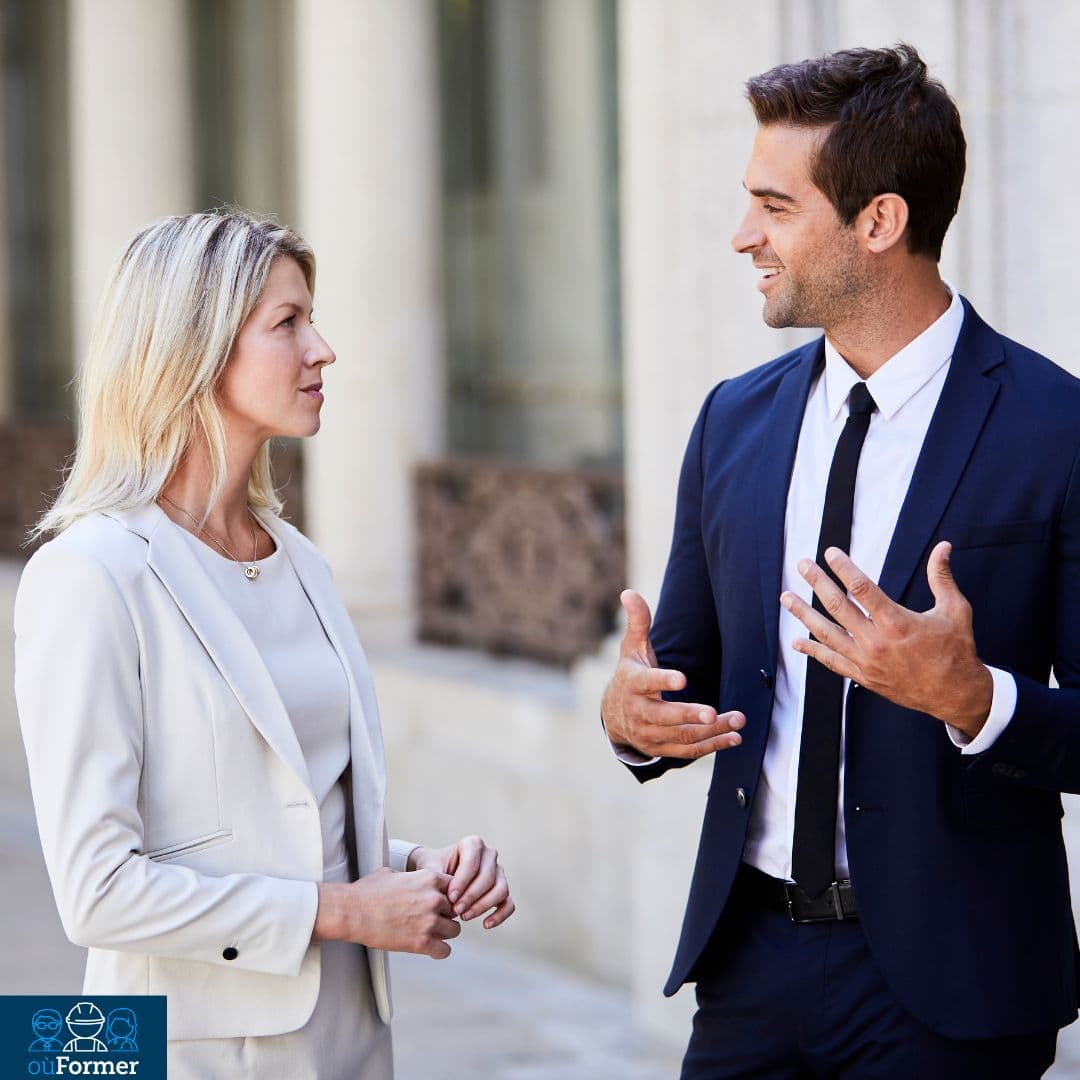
point(5, 317)
point(688, 301)
point(368, 197)
point(131, 130)
point(691, 317)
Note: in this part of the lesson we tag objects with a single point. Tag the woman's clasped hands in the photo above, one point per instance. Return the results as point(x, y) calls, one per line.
point(418, 911)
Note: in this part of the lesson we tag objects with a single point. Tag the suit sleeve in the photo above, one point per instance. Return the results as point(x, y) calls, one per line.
point(685, 633)
point(79, 696)
point(1040, 747)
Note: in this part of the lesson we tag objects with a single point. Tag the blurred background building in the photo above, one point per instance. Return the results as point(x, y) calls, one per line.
point(521, 211)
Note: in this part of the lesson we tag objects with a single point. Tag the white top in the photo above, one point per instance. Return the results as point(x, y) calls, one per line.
point(906, 389)
point(305, 668)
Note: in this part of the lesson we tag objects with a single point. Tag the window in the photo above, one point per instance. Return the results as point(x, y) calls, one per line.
point(528, 112)
point(521, 530)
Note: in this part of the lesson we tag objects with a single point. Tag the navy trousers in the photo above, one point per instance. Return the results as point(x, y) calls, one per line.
point(778, 1001)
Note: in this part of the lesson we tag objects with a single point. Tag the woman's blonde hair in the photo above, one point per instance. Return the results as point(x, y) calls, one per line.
point(166, 325)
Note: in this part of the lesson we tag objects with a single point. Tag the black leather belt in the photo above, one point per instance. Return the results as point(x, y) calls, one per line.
point(835, 904)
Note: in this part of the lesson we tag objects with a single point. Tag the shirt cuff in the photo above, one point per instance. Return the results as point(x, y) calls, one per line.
point(1002, 707)
point(629, 756)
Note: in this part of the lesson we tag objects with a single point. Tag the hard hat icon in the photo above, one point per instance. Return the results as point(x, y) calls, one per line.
point(85, 1020)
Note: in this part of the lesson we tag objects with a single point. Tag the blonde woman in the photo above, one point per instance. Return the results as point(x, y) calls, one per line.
point(199, 718)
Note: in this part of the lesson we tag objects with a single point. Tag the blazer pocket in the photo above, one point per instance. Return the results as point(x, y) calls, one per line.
point(1008, 806)
point(998, 535)
point(189, 847)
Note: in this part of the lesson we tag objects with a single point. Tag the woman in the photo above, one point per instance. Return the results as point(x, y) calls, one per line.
point(199, 719)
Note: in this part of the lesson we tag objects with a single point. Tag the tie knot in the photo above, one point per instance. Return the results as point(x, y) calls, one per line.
point(860, 401)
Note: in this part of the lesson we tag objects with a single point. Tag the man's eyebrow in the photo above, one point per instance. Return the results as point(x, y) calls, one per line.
point(770, 193)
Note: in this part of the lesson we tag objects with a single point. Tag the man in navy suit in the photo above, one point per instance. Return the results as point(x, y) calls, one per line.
point(881, 887)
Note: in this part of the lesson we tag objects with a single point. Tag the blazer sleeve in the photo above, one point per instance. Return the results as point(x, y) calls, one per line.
point(1040, 747)
point(685, 633)
point(77, 686)
point(400, 850)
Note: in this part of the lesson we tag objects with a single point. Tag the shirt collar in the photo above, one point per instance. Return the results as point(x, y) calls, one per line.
point(905, 373)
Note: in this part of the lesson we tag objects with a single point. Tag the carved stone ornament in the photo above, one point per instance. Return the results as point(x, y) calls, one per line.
point(519, 561)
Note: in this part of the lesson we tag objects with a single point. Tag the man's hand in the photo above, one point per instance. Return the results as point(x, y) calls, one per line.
point(478, 883)
point(388, 910)
point(635, 715)
point(921, 660)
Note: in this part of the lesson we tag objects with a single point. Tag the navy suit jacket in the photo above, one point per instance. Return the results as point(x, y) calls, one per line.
point(957, 862)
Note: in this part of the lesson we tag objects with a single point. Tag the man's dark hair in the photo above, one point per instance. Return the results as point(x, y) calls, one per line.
point(892, 129)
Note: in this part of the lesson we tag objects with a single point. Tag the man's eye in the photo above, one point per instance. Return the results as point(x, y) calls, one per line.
point(770, 209)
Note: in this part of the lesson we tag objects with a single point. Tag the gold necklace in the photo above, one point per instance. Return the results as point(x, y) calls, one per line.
point(251, 571)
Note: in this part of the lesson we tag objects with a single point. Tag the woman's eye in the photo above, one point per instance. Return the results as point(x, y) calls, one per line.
point(289, 322)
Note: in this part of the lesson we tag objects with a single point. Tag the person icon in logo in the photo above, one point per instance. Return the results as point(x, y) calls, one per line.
point(46, 1024)
point(121, 1029)
point(85, 1021)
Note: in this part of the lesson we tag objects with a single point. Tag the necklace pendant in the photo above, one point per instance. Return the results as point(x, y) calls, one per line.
point(251, 572)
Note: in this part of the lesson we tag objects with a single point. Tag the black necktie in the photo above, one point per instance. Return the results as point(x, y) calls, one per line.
point(813, 854)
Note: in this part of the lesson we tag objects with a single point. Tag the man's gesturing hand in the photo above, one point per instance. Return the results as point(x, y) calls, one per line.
point(920, 660)
point(636, 716)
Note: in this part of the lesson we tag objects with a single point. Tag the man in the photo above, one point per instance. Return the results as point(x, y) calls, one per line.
point(881, 887)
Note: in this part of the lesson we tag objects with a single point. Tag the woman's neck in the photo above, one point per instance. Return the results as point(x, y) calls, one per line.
point(189, 489)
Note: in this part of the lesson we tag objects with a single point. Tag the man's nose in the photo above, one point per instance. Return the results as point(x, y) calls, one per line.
point(748, 236)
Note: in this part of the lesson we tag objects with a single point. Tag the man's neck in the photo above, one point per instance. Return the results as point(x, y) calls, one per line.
point(889, 319)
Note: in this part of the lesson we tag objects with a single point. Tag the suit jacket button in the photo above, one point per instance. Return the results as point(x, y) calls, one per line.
point(741, 797)
point(766, 679)
point(230, 953)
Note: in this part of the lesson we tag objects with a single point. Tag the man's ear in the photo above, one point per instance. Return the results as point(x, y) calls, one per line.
point(882, 222)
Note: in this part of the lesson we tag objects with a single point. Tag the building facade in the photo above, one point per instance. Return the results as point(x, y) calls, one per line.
point(521, 211)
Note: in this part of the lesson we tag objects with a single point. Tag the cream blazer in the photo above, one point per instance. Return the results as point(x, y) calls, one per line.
point(173, 802)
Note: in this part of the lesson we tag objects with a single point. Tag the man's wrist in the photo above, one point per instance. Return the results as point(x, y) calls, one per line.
point(973, 710)
point(607, 716)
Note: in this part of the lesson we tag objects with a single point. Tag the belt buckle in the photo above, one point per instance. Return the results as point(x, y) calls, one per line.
point(789, 892)
point(837, 905)
point(838, 908)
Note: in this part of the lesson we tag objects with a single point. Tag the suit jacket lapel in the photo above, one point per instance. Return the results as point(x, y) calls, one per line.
point(961, 412)
point(222, 633)
point(779, 440)
point(368, 770)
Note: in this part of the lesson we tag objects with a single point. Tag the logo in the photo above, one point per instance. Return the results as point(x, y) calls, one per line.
point(102, 1036)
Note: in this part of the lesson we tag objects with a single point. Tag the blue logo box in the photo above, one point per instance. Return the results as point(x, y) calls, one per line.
point(83, 1036)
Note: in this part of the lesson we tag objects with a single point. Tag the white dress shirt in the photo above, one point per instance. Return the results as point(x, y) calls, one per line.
point(906, 390)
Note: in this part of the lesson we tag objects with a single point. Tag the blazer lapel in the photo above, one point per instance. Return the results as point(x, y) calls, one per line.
point(222, 633)
point(779, 440)
point(369, 774)
point(961, 412)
